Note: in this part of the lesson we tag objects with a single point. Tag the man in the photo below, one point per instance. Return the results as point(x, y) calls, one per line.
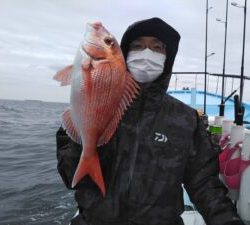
point(159, 145)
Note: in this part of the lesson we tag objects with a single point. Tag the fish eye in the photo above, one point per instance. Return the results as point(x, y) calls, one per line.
point(108, 41)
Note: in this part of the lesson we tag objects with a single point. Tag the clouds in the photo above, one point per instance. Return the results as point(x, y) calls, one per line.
point(39, 37)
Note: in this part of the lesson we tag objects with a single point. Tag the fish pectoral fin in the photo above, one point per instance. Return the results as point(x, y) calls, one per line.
point(89, 166)
point(64, 75)
point(68, 125)
point(131, 90)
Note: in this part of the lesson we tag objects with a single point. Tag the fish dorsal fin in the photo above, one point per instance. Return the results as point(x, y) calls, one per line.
point(131, 90)
point(64, 75)
point(69, 126)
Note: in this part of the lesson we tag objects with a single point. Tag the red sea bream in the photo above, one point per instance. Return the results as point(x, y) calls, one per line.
point(101, 90)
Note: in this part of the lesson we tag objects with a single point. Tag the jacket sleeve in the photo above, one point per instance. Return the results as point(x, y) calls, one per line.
point(202, 182)
point(68, 155)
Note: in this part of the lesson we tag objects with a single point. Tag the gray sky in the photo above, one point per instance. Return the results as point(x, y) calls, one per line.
point(39, 37)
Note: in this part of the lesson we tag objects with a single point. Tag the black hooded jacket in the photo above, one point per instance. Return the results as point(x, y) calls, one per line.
point(160, 144)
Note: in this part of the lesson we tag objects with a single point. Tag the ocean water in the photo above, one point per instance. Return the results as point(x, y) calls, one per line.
point(31, 191)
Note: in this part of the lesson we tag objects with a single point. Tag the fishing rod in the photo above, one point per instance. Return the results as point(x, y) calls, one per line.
point(239, 110)
point(229, 96)
point(222, 105)
point(205, 75)
point(224, 102)
point(243, 54)
point(206, 56)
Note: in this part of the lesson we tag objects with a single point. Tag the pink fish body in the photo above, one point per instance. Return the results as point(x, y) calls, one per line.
point(101, 91)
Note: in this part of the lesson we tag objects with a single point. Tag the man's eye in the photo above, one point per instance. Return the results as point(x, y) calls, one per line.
point(136, 46)
point(158, 47)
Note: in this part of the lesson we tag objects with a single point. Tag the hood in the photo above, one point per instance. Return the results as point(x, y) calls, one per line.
point(168, 35)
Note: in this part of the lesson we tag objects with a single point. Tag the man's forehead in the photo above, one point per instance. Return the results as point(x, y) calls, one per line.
point(148, 38)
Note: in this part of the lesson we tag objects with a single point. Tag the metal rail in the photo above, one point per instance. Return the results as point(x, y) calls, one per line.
point(215, 74)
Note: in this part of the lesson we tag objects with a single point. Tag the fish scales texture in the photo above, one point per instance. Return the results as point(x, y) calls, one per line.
point(101, 90)
point(105, 97)
point(101, 102)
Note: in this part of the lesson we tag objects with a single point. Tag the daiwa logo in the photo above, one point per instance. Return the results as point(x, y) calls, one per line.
point(160, 137)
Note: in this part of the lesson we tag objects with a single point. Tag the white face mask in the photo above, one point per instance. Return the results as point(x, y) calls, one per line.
point(145, 66)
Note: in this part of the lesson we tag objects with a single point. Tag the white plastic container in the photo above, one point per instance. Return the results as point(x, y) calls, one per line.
point(226, 126)
point(245, 153)
point(237, 135)
point(218, 120)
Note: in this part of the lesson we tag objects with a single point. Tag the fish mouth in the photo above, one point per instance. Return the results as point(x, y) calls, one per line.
point(91, 55)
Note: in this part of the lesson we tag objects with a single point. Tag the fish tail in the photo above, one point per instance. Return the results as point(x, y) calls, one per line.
point(89, 166)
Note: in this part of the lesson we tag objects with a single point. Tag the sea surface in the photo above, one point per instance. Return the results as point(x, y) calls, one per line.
point(31, 190)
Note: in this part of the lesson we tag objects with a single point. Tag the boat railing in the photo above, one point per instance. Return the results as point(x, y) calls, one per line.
point(188, 80)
